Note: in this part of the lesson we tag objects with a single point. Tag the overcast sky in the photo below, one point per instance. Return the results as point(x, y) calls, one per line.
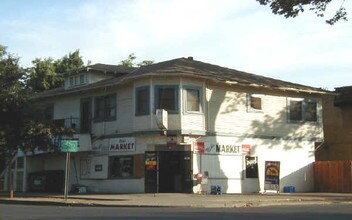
point(241, 35)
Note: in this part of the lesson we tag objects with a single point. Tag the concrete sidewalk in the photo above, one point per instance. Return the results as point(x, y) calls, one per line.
point(177, 199)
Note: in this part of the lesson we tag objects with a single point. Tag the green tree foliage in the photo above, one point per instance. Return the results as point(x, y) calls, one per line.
point(13, 98)
point(145, 63)
point(131, 61)
point(44, 73)
point(18, 126)
point(292, 8)
point(69, 62)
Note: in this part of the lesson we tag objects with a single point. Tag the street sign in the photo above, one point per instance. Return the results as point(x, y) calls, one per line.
point(69, 145)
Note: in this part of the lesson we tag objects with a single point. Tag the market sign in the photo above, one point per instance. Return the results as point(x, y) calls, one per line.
point(223, 148)
point(69, 145)
point(127, 144)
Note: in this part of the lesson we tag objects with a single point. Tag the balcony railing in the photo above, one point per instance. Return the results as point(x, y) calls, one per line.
point(73, 123)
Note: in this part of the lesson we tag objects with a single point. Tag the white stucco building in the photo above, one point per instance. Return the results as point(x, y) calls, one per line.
point(221, 123)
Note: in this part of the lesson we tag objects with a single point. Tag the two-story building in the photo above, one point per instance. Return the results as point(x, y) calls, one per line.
point(161, 127)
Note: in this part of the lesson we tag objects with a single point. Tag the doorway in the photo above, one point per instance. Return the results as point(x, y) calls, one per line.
point(172, 173)
point(86, 115)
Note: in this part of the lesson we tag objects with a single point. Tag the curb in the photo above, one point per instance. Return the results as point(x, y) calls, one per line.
point(222, 204)
point(78, 204)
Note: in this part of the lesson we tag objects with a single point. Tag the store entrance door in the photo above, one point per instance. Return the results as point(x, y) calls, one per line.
point(173, 173)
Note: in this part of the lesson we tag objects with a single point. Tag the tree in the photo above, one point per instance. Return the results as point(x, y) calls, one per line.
point(292, 8)
point(44, 73)
point(69, 62)
point(18, 129)
point(145, 63)
point(13, 98)
point(130, 61)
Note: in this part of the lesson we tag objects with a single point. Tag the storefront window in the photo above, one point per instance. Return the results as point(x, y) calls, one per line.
point(121, 167)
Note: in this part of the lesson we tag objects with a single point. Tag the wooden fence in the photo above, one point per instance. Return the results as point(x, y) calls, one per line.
point(333, 176)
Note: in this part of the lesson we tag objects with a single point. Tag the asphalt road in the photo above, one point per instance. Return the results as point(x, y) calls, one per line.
point(321, 212)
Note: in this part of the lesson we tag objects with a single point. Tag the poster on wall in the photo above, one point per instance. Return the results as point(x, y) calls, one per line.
point(272, 176)
point(85, 168)
point(150, 161)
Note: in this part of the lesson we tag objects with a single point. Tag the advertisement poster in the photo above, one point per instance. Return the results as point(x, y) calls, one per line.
point(150, 161)
point(272, 175)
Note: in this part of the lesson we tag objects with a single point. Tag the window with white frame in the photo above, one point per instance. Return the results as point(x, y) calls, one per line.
point(77, 80)
point(302, 110)
point(193, 99)
point(254, 102)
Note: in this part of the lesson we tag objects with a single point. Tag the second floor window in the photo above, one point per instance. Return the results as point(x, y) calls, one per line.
point(254, 102)
point(142, 100)
point(166, 97)
point(192, 100)
point(303, 110)
point(105, 108)
point(82, 79)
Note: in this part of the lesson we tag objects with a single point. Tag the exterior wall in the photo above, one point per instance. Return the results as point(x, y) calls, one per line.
point(224, 119)
point(93, 77)
point(101, 182)
point(124, 116)
point(337, 130)
point(193, 121)
point(228, 114)
point(66, 107)
point(296, 164)
point(182, 121)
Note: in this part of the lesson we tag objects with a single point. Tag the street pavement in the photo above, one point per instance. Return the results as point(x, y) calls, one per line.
point(177, 199)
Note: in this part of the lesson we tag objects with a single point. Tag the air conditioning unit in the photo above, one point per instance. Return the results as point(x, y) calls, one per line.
point(161, 119)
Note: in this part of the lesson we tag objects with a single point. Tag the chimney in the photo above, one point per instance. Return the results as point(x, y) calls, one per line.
point(190, 58)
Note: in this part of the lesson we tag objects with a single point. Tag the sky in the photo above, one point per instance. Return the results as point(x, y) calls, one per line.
point(241, 35)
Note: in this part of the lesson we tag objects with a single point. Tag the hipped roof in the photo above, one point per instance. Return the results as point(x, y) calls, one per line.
point(187, 67)
point(101, 68)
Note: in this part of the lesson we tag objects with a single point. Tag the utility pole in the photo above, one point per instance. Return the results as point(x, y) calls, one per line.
point(67, 174)
point(10, 180)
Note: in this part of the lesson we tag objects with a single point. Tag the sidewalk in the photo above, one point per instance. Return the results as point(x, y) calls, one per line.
point(177, 199)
